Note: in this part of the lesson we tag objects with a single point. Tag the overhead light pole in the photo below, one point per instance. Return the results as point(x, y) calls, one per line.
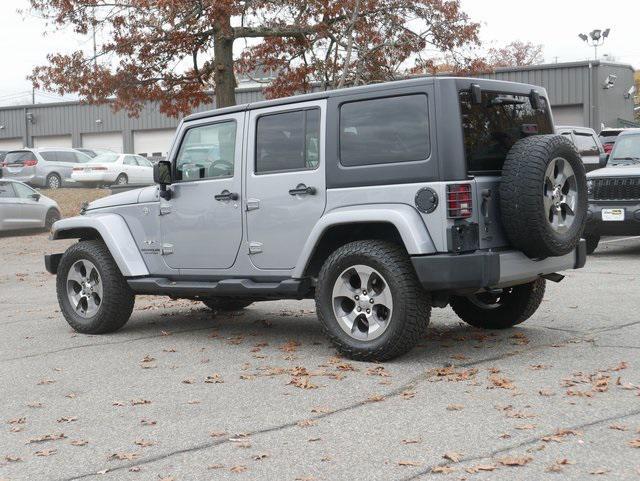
point(595, 39)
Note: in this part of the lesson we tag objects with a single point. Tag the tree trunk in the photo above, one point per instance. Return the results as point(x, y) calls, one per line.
point(224, 76)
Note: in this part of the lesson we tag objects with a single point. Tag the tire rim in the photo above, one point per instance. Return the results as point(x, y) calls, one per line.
point(84, 288)
point(489, 300)
point(560, 194)
point(362, 302)
point(54, 182)
point(122, 180)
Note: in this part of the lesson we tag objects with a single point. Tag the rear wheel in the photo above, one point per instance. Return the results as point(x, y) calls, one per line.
point(52, 216)
point(93, 295)
point(122, 179)
point(370, 302)
point(53, 181)
point(592, 242)
point(226, 303)
point(500, 309)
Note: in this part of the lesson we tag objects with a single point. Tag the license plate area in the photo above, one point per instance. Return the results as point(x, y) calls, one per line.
point(613, 215)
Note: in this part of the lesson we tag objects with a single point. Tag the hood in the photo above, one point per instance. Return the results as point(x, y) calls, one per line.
point(623, 170)
point(145, 194)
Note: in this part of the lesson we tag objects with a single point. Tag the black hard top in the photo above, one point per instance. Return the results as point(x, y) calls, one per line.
point(460, 82)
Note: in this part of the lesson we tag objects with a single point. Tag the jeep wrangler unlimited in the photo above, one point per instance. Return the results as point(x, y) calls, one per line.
point(380, 202)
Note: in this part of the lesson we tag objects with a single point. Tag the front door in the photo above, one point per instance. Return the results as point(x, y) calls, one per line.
point(33, 211)
point(285, 181)
point(202, 222)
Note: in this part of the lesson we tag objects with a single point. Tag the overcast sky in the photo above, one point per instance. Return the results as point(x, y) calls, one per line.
point(553, 23)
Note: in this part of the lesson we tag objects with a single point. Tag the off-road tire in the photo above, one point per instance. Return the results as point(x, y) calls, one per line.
point(226, 303)
point(592, 242)
point(53, 181)
point(522, 196)
point(118, 299)
point(412, 304)
point(53, 215)
point(122, 179)
point(518, 306)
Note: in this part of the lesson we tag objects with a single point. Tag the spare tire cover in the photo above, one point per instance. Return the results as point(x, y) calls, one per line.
point(543, 196)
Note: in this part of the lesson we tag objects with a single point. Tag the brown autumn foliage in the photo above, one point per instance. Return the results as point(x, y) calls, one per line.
point(175, 51)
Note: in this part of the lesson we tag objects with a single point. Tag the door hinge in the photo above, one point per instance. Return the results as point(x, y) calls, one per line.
point(255, 247)
point(165, 209)
point(167, 249)
point(253, 204)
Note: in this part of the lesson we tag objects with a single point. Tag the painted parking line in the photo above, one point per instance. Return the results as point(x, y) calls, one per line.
point(622, 239)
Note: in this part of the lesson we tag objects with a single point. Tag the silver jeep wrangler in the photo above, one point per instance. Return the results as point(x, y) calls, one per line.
point(380, 202)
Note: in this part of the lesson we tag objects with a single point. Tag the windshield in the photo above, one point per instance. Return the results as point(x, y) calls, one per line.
point(104, 159)
point(626, 150)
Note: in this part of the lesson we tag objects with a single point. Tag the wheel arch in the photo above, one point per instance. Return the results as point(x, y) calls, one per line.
point(113, 231)
point(396, 223)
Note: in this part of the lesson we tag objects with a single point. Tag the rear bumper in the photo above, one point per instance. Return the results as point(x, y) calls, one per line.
point(629, 226)
point(484, 269)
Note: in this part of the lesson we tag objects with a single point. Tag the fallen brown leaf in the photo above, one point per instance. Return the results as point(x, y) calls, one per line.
point(46, 437)
point(238, 469)
point(481, 467)
point(124, 456)
point(515, 461)
point(453, 456)
point(455, 407)
point(145, 443)
point(46, 452)
point(79, 442)
point(442, 469)
point(409, 463)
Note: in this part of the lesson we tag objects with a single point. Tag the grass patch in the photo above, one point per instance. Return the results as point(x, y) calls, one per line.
point(70, 200)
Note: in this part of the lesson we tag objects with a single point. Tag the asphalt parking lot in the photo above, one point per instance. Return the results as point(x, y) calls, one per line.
point(183, 394)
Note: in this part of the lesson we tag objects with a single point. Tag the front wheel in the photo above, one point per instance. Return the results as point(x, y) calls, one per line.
point(53, 181)
point(500, 309)
point(370, 302)
point(93, 295)
point(122, 179)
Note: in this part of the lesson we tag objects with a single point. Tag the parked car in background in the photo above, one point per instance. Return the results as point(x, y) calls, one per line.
point(44, 167)
point(614, 192)
point(608, 138)
point(21, 207)
point(3, 154)
point(111, 168)
point(588, 144)
point(94, 152)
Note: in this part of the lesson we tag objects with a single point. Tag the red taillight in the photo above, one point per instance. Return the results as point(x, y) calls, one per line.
point(608, 148)
point(30, 162)
point(98, 168)
point(459, 202)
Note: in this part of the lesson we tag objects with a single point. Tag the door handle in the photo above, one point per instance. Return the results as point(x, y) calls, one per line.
point(226, 195)
point(302, 189)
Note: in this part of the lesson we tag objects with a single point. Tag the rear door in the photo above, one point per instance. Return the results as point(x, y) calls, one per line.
point(285, 181)
point(130, 167)
point(32, 211)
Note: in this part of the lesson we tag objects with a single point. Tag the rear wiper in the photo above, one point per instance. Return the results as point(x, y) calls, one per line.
point(506, 101)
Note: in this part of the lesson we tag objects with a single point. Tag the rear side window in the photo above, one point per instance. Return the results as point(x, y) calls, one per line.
point(491, 127)
point(49, 156)
point(64, 156)
point(586, 144)
point(6, 190)
point(130, 160)
point(385, 130)
point(19, 157)
point(288, 141)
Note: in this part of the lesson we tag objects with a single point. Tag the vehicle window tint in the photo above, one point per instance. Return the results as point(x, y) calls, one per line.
point(19, 157)
point(387, 130)
point(6, 190)
point(49, 156)
point(81, 157)
point(288, 141)
point(23, 191)
point(129, 160)
point(586, 144)
point(66, 156)
point(207, 152)
point(627, 149)
point(491, 127)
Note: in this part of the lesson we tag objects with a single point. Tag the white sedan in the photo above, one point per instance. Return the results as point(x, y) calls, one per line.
point(110, 168)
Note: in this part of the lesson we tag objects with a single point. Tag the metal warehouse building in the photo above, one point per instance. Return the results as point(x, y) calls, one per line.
point(594, 94)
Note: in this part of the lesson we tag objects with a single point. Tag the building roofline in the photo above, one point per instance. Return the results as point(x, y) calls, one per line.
point(580, 63)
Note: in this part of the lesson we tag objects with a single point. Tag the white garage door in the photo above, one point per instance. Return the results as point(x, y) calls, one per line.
point(568, 115)
point(11, 144)
point(153, 143)
point(103, 140)
point(63, 141)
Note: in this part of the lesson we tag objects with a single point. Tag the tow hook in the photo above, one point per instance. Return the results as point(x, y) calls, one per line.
point(553, 277)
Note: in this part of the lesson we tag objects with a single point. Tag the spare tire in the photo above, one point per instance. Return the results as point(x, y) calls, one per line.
point(543, 196)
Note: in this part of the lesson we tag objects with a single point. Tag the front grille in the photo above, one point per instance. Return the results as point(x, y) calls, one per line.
point(616, 188)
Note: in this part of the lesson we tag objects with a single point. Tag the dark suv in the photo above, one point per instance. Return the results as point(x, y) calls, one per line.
point(380, 202)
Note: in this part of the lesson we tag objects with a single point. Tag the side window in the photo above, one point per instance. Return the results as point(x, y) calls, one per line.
point(288, 141)
point(6, 190)
point(386, 130)
point(207, 152)
point(143, 162)
point(81, 157)
point(23, 191)
point(49, 156)
point(586, 144)
point(129, 160)
point(66, 156)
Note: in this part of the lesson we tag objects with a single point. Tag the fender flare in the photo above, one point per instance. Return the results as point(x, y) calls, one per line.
point(115, 233)
point(404, 218)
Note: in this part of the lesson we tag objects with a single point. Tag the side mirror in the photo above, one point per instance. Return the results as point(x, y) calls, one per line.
point(35, 196)
point(604, 158)
point(162, 177)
